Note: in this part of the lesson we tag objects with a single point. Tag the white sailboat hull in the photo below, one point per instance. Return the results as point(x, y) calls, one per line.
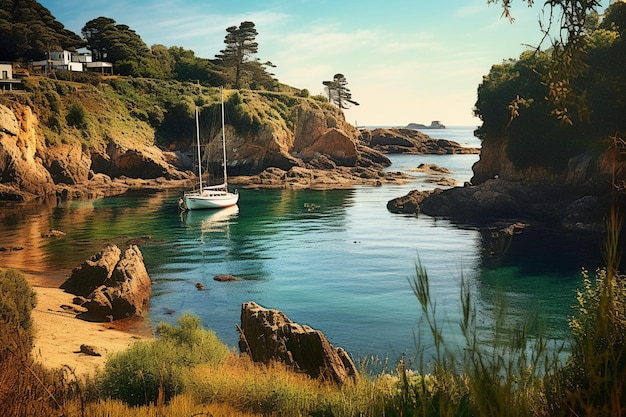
point(210, 199)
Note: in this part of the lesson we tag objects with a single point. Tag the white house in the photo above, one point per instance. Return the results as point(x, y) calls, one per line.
point(7, 82)
point(73, 61)
point(6, 71)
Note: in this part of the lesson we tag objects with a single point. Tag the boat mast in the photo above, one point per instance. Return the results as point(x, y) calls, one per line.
point(224, 139)
point(199, 155)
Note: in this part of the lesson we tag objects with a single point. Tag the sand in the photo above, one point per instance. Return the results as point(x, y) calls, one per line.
point(59, 334)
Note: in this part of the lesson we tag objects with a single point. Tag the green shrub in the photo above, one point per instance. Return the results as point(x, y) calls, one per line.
point(154, 371)
point(17, 300)
point(76, 116)
point(26, 388)
point(156, 116)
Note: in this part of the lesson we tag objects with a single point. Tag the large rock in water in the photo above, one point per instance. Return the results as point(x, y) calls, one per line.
point(268, 335)
point(115, 284)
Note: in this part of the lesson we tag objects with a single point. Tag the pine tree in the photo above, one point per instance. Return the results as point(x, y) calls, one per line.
point(240, 46)
point(338, 92)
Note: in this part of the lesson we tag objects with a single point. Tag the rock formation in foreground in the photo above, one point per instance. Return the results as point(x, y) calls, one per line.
point(112, 284)
point(268, 335)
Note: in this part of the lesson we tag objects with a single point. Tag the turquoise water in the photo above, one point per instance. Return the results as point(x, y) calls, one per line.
point(335, 260)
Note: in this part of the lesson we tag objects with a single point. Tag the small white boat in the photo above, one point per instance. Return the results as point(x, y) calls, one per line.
point(212, 196)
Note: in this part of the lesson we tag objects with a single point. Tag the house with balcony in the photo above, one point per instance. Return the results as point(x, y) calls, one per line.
point(73, 61)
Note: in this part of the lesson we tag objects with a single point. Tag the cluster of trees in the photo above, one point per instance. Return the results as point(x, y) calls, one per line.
point(549, 117)
point(28, 32)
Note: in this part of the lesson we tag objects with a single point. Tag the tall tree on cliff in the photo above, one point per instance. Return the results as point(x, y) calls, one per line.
point(240, 46)
point(338, 92)
point(28, 31)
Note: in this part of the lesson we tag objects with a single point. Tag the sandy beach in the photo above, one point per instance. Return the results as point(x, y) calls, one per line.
point(59, 334)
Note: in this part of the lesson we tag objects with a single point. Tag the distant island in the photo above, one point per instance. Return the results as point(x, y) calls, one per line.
point(435, 124)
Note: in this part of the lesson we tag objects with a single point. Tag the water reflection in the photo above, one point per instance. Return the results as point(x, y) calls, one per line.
point(210, 221)
point(536, 273)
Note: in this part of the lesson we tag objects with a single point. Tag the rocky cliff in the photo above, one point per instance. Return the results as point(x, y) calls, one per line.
point(574, 198)
point(30, 167)
point(100, 138)
point(588, 172)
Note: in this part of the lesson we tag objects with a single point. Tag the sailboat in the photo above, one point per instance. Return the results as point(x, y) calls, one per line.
point(210, 196)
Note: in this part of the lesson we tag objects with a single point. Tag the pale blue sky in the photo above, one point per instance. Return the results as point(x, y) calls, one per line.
point(405, 61)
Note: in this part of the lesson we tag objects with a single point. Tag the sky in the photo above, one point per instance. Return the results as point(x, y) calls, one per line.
point(405, 61)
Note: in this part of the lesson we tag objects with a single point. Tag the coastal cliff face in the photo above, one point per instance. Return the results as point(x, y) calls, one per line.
point(574, 198)
point(316, 129)
point(587, 172)
point(30, 167)
point(84, 140)
point(21, 165)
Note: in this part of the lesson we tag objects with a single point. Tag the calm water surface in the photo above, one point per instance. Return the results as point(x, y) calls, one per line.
point(335, 260)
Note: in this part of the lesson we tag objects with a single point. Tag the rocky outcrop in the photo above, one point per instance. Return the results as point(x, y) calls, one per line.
point(410, 141)
point(101, 156)
point(112, 284)
point(311, 130)
point(410, 203)
point(575, 198)
point(267, 335)
point(588, 172)
point(22, 173)
point(501, 201)
point(31, 168)
point(320, 179)
point(435, 124)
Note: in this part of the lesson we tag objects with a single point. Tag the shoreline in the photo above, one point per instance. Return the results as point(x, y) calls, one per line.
point(59, 334)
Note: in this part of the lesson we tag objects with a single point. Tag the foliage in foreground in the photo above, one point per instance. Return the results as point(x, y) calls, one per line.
point(26, 387)
point(154, 371)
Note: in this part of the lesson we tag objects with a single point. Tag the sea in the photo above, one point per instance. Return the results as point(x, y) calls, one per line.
point(336, 260)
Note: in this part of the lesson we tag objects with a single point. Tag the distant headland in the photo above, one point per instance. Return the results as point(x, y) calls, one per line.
point(435, 124)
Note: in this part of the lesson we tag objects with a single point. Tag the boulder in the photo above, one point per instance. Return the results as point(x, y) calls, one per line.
point(334, 143)
point(115, 284)
point(90, 350)
point(410, 203)
point(267, 335)
point(94, 272)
